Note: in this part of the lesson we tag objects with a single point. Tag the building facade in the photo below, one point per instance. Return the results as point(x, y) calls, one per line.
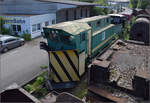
point(30, 16)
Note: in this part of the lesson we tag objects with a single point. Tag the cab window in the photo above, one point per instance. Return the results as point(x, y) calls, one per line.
point(65, 39)
point(82, 37)
point(53, 36)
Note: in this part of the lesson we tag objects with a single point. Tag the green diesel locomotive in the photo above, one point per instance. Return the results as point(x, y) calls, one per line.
point(70, 44)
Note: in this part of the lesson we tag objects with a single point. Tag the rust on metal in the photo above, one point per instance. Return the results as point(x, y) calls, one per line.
point(106, 94)
point(106, 55)
point(104, 64)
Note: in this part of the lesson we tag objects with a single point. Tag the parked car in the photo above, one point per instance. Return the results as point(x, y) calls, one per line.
point(10, 42)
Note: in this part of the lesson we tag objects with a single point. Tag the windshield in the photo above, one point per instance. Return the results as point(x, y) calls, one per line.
point(66, 39)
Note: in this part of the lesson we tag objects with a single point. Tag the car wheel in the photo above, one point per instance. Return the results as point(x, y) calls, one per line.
point(5, 50)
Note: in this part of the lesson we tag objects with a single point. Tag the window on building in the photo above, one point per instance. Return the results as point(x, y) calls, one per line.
point(53, 21)
point(46, 23)
point(39, 26)
point(19, 27)
point(16, 27)
point(34, 28)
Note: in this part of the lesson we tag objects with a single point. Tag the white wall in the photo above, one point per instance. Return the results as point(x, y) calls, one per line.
point(24, 26)
point(41, 19)
point(31, 20)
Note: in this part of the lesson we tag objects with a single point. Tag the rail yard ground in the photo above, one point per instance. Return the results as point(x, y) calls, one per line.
point(22, 64)
point(127, 62)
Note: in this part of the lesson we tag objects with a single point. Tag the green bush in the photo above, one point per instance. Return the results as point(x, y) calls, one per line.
point(5, 31)
point(40, 92)
point(29, 87)
point(43, 66)
point(26, 37)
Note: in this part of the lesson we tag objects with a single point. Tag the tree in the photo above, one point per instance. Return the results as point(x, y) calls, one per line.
point(140, 4)
point(1, 24)
point(3, 30)
point(101, 2)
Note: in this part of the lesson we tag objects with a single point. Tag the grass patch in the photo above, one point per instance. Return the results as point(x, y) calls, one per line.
point(81, 90)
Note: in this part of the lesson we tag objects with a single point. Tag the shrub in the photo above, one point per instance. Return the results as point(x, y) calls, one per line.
point(43, 66)
point(28, 88)
point(27, 37)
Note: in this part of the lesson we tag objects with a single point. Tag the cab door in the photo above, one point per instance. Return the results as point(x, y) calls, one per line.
point(89, 43)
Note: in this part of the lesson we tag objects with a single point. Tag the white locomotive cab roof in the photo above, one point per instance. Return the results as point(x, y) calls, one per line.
point(92, 18)
point(119, 15)
point(73, 28)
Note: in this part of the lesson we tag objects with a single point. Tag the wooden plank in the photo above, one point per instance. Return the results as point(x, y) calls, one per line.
point(106, 94)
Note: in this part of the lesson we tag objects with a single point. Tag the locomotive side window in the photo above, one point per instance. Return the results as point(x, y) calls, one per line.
point(99, 23)
point(103, 36)
point(107, 20)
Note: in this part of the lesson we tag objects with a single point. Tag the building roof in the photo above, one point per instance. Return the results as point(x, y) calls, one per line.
point(19, 14)
point(73, 28)
point(92, 18)
point(70, 2)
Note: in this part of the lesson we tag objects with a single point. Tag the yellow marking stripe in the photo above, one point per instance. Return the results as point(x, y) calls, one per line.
point(58, 68)
point(67, 66)
point(101, 44)
point(55, 79)
point(73, 58)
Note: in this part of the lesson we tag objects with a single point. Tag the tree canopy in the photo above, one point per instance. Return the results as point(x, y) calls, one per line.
point(140, 4)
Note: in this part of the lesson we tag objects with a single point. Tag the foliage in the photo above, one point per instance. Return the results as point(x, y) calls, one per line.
point(40, 92)
point(133, 20)
point(81, 89)
point(2, 29)
point(6, 31)
point(37, 86)
point(1, 24)
point(140, 4)
point(26, 36)
point(125, 32)
point(101, 2)
point(43, 66)
point(100, 11)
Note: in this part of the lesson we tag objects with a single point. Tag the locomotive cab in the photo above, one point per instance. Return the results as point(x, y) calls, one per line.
point(118, 19)
point(66, 36)
point(59, 40)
